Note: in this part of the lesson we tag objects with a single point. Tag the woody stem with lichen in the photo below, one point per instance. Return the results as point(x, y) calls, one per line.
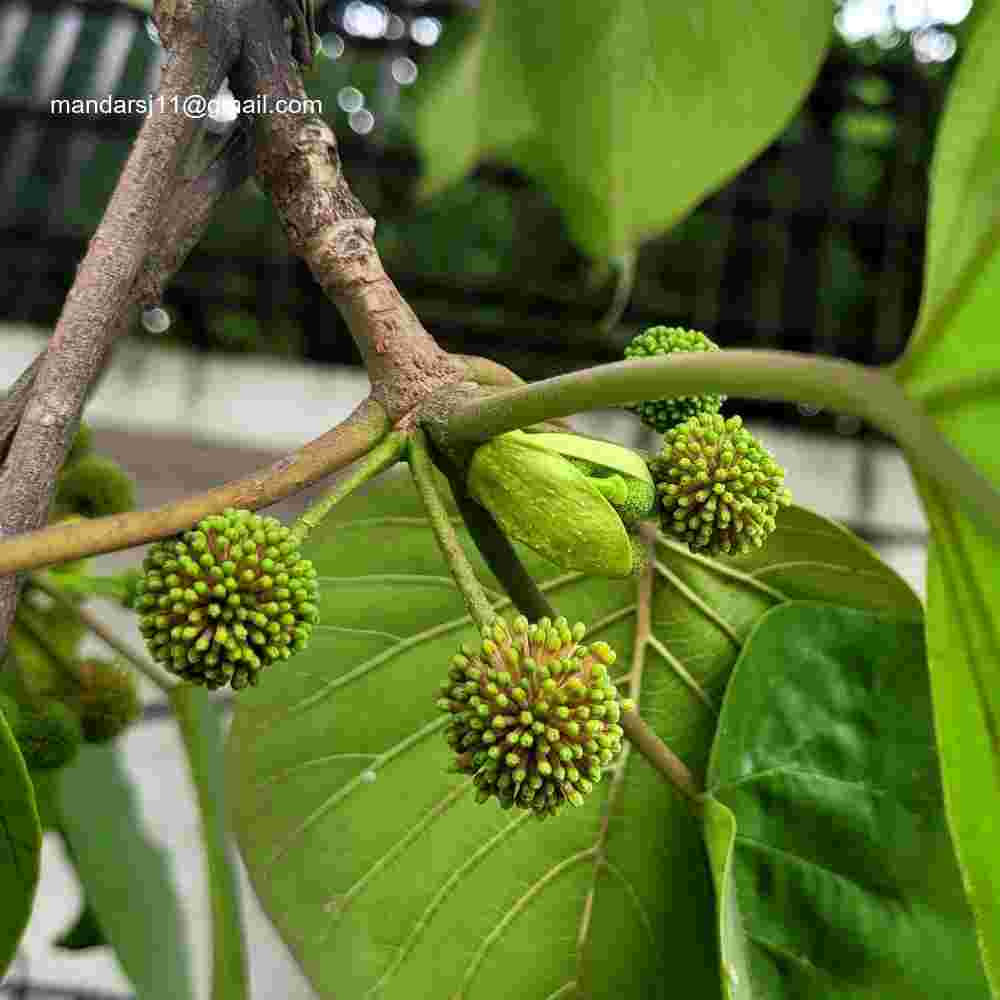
point(444, 532)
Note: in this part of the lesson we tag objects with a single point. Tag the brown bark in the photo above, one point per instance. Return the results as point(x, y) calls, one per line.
point(100, 306)
point(299, 167)
point(327, 454)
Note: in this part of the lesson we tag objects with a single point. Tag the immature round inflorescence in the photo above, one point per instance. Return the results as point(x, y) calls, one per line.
point(662, 414)
point(534, 715)
point(223, 601)
point(719, 490)
point(106, 698)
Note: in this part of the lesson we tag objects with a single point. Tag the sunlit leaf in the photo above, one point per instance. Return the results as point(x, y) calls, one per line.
point(628, 113)
point(826, 825)
point(380, 872)
point(124, 875)
point(20, 845)
point(953, 366)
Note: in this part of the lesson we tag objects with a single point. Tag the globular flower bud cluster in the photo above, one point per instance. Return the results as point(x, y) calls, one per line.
point(106, 698)
point(94, 486)
point(227, 599)
point(719, 489)
point(534, 714)
point(48, 734)
point(662, 414)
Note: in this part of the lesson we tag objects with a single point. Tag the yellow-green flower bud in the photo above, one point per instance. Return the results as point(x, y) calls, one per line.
point(557, 493)
point(662, 414)
point(537, 734)
point(719, 489)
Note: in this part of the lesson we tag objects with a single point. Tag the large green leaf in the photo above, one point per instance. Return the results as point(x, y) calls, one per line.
point(20, 845)
point(201, 732)
point(953, 366)
point(826, 825)
point(628, 113)
point(124, 875)
point(377, 868)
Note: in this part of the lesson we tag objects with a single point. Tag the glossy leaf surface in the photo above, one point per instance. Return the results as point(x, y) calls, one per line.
point(826, 822)
point(953, 367)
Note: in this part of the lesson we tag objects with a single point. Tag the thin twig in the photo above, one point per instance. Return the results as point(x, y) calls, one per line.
point(639, 734)
point(661, 757)
point(496, 548)
point(380, 458)
point(298, 165)
point(323, 456)
point(476, 600)
point(97, 307)
point(156, 674)
point(13, 404)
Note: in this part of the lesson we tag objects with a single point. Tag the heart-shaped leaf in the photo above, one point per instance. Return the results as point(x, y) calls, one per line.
point(628, 113)
point(953, 366)
point(379, 871)
point(825, 822)
point(20, 845)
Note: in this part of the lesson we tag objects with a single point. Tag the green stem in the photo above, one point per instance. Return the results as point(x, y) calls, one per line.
point(384, 455)
point(838, 385)
point(329, 453)
point(25, 618)
point(496, 549)
point(461, 569)
point(661, 757)
point(163, 680)
point(113, 586)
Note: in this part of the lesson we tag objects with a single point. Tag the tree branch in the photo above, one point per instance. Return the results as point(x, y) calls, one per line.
point(325, 455)
point(178, 231)
point(299, 167)
point(13, 404)
point(839, 385)
point(97, 307)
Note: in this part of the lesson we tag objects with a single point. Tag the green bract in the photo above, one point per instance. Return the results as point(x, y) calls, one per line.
point(227, 599)
point(534, 715)
point(620, 474)
point(719, 489)
point(662, 414)
point(568, 497)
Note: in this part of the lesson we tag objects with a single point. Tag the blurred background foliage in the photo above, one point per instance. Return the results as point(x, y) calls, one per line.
point(815, 245)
